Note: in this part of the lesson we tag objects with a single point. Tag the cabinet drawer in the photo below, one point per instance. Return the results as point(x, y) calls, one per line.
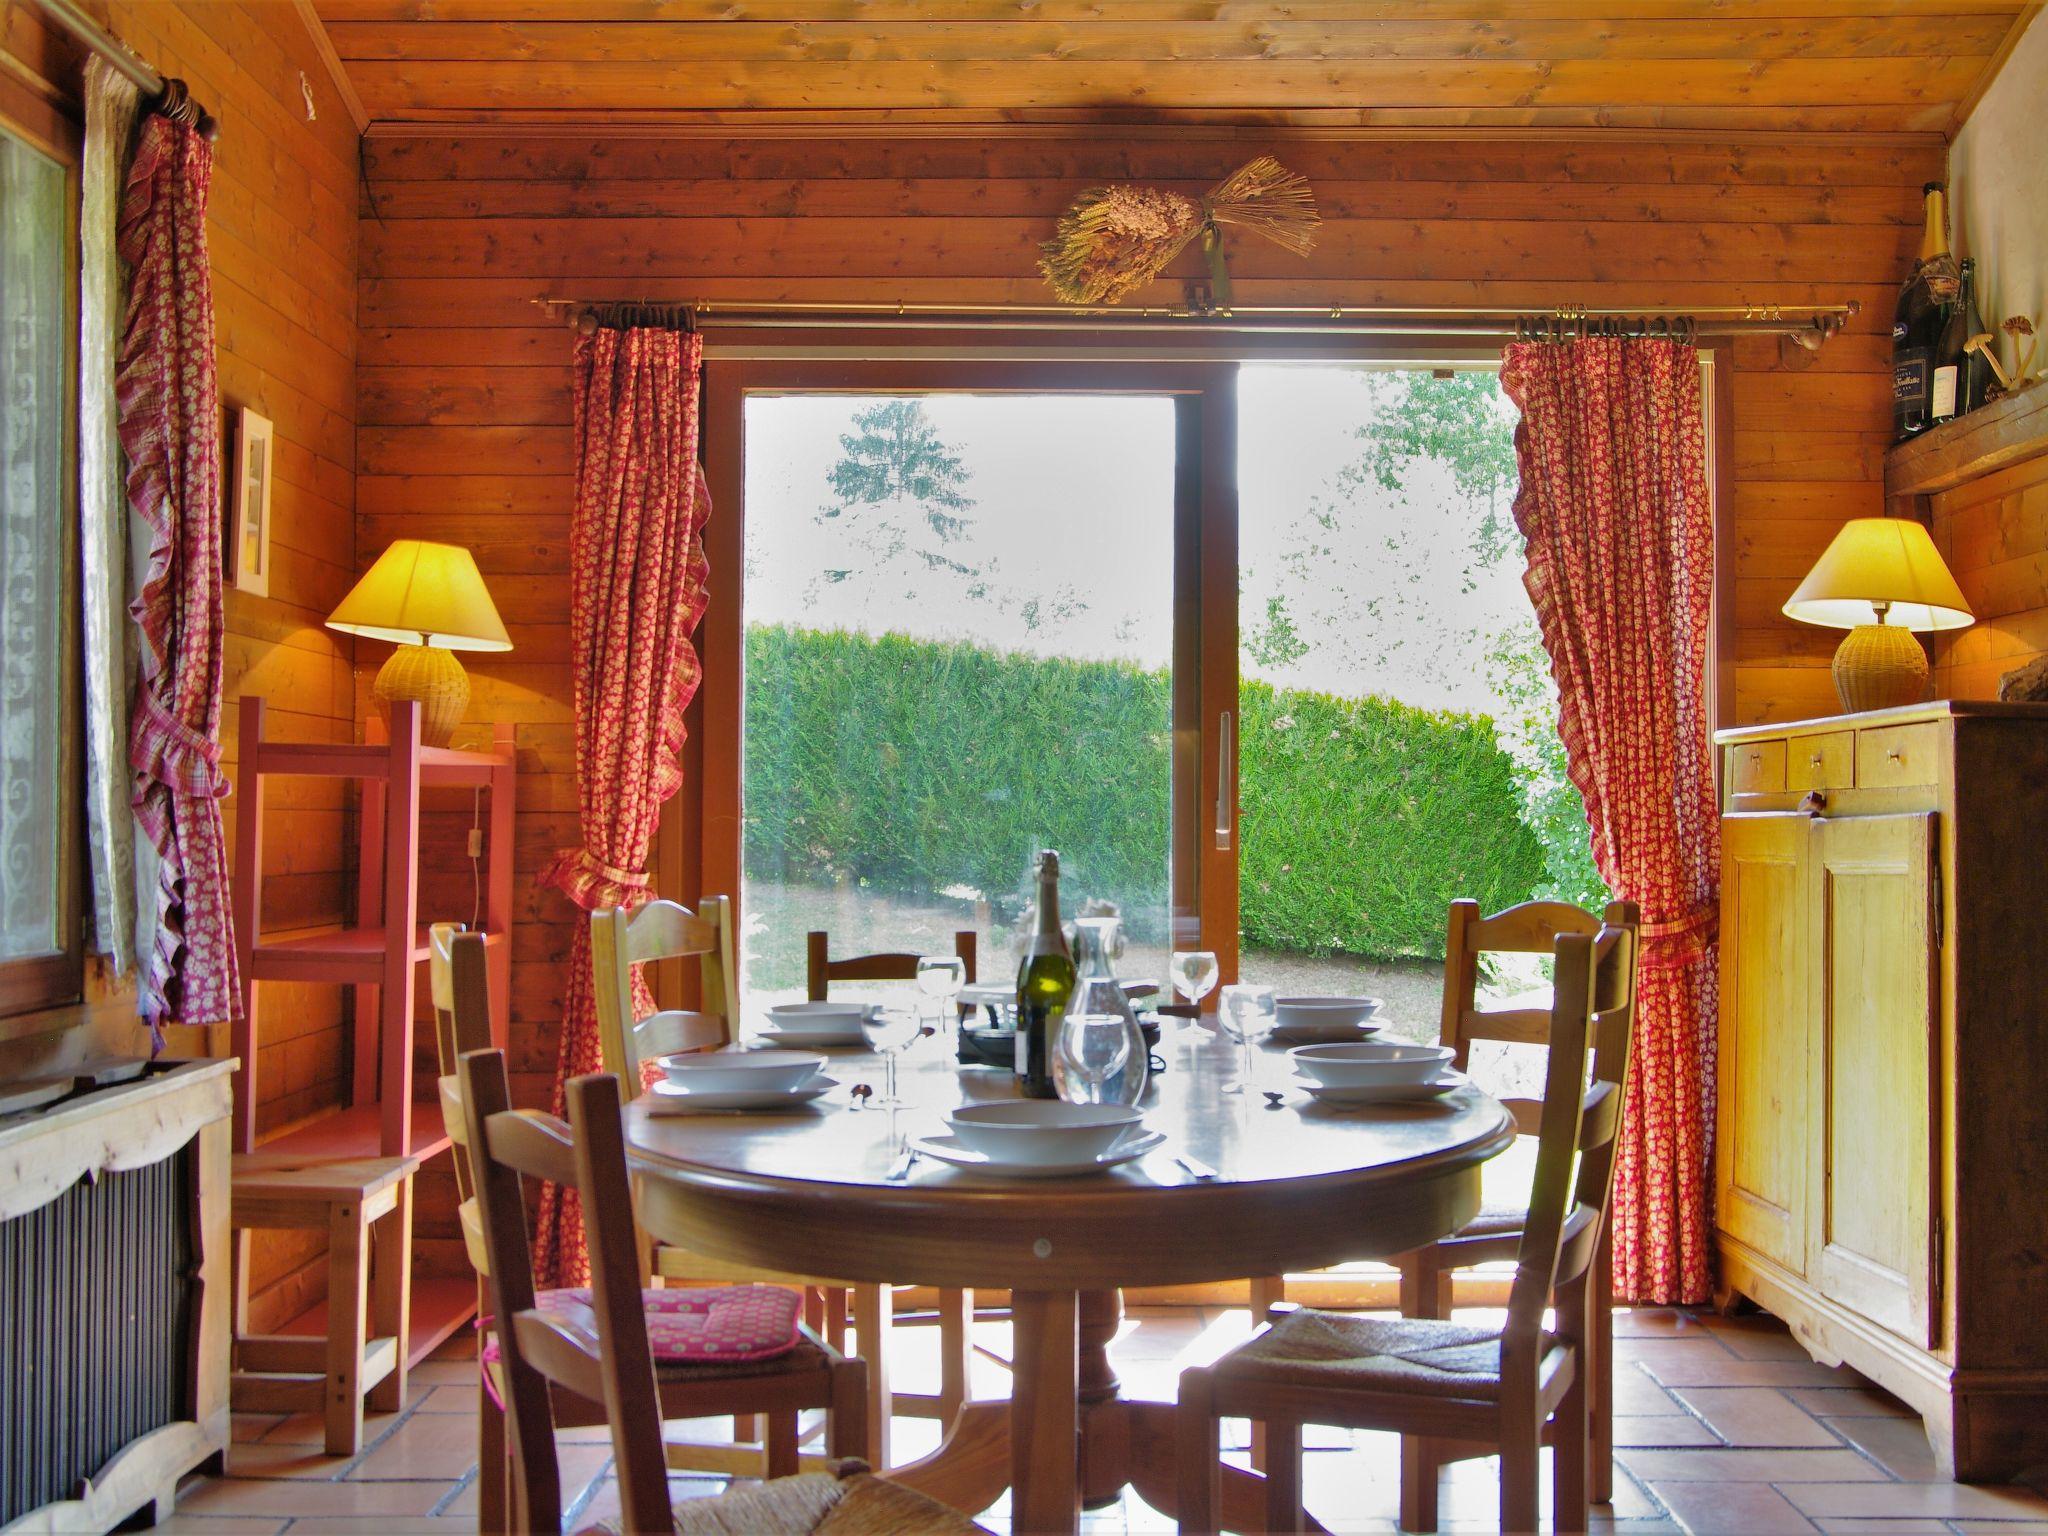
point(1823, 761)
point(1891, 756)
point(1757, 768)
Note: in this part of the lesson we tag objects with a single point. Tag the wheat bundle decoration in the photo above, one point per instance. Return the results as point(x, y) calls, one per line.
point(1114, 240)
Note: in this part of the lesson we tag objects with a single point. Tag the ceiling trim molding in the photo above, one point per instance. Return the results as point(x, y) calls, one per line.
point(1992, 66)
point(337, 72)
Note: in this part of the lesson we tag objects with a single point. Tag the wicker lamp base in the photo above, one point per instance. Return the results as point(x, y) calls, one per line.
point(435, 678)
point(1880, 666)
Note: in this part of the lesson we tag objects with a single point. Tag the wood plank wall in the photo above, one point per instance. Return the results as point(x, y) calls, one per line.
point(463, 397)
point(1994, 535)
point(281, 228)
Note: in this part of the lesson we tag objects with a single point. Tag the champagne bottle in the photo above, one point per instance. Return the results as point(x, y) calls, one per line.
point(1974, 382)
point(1918, 321)
point(1944, 401)
point(1045, 980)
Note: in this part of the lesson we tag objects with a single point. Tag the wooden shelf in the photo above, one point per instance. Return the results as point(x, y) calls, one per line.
point(357, 1132)
point(345, 956)
point(441, 1305)
point(2005, 432)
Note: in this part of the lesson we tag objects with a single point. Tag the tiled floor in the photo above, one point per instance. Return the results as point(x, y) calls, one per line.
point(1725, 1428)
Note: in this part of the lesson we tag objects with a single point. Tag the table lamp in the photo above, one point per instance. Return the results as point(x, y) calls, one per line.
point(1881, 579)
point(430, 600)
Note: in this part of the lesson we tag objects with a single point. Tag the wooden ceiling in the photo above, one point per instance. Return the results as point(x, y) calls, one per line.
point(1865, 66)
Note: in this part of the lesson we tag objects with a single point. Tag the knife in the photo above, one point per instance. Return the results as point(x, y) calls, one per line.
point(1195, 1168)
point(899, 1171)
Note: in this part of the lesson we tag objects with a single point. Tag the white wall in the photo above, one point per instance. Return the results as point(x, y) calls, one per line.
point(1998, 187)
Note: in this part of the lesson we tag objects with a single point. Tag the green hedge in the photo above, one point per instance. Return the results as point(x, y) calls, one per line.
point(911, 766)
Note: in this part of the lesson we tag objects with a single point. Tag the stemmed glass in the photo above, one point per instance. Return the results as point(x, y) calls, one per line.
point(1193, 972)
point(890, 1032)
point(1093, 1048)
point(942, 977)
point(1246, 1010)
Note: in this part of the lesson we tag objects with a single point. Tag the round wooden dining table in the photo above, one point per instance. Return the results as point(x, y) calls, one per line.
point(1273, 1190)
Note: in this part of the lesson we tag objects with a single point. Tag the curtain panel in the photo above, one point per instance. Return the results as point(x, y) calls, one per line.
point(169, 407)
point(1613, 503)
point(638, 587)
point(109, 648)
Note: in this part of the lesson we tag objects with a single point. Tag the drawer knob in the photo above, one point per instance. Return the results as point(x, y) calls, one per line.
point(1815, 759)
point(1892, 755)
point(1756, 757)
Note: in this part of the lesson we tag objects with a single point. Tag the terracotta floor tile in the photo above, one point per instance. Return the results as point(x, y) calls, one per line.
point(217, 1525)
point(1748, 1466)
point(1896, 1500)
point(1860, 1400)
point(271, 1459)
point(1735, 1509)
point(1754, 1337)
point(1755, 1416)
point(1636, 1395)
point(425, 1445)
point(1907, 1527)
point(448, 1398)
point(292, 1497)
point(253, 1426)
point(1697, 1369)
point(1995, 1527)
point(311, 1429)
point(1898, 1445)
point(1653, 1322)
point(1664, 1429)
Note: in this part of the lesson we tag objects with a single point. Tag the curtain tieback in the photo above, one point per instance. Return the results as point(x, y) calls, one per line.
point(1679, 941)
point(163, 748)
point(591, 883)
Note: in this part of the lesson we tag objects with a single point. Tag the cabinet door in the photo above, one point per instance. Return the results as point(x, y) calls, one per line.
point(1761, 1153)
point(1875, 1117)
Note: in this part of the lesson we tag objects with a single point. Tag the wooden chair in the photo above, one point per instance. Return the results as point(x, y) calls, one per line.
point(955, 1309)
point(593, 1350)
point(662, 930)
point(1503, 1389)
point(1492, 1236)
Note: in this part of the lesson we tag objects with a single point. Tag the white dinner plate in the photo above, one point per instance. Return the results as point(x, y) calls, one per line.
point(948, 1149)
point(668, 1099)
point(1383, 1093)
point(1322, 1033)
point(816, 1039)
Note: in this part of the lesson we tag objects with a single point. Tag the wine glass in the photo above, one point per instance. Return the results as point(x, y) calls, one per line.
point(1246, 1010)
point(890, 1031)
point(1093, 1048)
point(942, 977)
point(1194, 974)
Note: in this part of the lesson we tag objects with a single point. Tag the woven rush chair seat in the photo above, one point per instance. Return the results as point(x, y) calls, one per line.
point(1415, 1356)
point(1496, 1221)
point(848, 1501)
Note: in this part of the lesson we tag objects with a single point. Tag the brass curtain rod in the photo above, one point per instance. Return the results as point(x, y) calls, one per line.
point(1807, 324)
point(173, 100)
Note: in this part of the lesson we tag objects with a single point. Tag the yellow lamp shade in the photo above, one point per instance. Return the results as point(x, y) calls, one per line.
point(422, 593)
point(1881, 570)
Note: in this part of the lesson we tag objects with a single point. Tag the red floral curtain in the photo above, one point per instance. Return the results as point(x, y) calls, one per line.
point(1613, 503)
point(169, 409)
point(638, 589)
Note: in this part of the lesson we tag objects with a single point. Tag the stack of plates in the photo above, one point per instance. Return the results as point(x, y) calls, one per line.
point(808, 1026)
point(1374, 1073)
point(733, 1079)
point(1041, 1138)
point(1320, 1020)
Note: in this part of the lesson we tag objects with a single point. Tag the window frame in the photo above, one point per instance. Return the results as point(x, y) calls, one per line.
point(33, 984)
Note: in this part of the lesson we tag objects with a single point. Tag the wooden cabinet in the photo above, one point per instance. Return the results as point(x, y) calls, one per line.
point(1884, 959)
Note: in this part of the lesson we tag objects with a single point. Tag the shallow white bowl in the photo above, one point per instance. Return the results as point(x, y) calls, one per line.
point(817, 1018)
point(1323, 1012)
point(742, 1071)
point(1371, 1061)
point(1041, 1130)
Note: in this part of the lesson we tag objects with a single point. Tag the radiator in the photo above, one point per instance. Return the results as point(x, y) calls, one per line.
point(96, 1330)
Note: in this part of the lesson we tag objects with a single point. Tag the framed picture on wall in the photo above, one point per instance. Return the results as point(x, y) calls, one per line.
point(248, 549)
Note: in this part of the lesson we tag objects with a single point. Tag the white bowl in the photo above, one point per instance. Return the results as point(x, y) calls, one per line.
point(817, 1018)
point(1371, 1061)
point(1041, 1130)
point(1323, 1012)
point(742, 1071)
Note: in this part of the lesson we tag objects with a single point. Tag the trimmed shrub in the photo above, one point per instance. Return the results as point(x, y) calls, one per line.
point(913, 767)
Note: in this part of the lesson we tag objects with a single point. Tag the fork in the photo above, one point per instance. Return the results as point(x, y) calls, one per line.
point(1194, 1168)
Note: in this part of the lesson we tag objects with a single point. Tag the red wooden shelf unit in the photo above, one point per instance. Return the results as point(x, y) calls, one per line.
point(378, 956)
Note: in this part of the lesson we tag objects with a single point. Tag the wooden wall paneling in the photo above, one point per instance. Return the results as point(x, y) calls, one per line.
point(463, 402)
point(1994, 535)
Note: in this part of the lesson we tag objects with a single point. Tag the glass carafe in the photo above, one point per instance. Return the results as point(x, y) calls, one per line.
point(1098, 996)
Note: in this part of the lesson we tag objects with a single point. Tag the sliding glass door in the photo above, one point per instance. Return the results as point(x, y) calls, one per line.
point(971, 624)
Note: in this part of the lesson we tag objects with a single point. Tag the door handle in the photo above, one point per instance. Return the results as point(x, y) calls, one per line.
point(1223, 750)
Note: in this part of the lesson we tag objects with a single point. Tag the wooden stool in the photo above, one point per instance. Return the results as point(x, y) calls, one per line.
point(353, 1203)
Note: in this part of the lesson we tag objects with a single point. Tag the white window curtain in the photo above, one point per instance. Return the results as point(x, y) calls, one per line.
point(109, 633)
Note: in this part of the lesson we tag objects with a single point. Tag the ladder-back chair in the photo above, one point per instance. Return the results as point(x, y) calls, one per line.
point(1509, 1389)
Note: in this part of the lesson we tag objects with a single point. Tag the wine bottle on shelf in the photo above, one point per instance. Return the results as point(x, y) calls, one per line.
point(1974, 382)
point(1045, 980)
point(1944, 398)
point(1918, 322)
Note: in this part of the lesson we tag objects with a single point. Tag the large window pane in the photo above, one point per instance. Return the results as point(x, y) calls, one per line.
point(959, 632)
point(33, 348)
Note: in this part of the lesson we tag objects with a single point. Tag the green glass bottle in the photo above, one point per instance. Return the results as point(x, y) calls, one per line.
point(1045, 980)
